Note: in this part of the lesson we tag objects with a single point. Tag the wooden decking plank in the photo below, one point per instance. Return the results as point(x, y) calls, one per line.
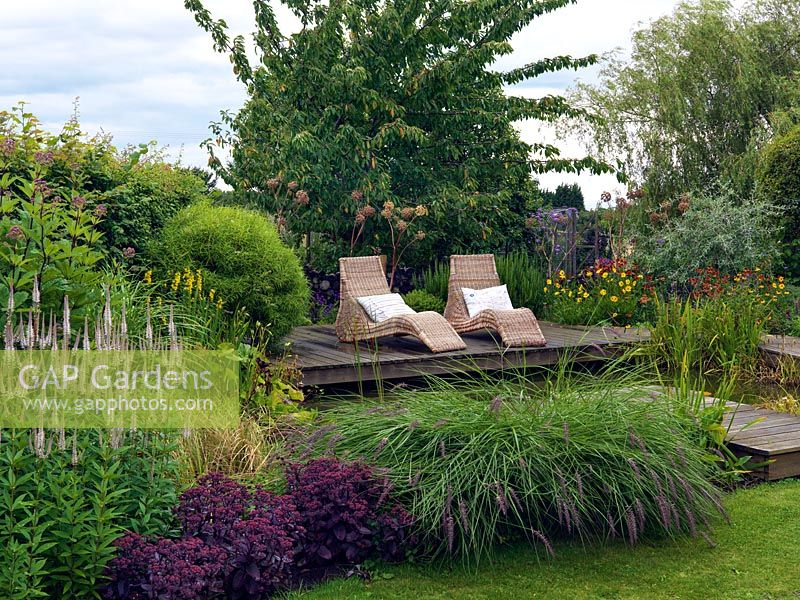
point(325, 360)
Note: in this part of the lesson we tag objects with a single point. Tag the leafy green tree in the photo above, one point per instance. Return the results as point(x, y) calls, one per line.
point(373, 102)
point(694, 102)
point(565, 196)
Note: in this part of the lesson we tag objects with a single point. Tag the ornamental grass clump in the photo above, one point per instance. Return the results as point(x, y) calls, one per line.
point(493, 461)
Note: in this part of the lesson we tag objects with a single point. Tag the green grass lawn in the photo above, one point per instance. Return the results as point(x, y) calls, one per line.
point(757, 556)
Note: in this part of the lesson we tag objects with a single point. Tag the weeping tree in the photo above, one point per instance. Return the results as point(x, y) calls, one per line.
point(698, 96)
point(369, 102)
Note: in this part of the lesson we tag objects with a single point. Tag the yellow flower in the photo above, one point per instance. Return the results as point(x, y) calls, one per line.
point(545, 289)
point(562, 274)
point(628, 289)
point(782, 285)
point(614, 299)
point(148, 277)
point(605, 275)
point(176, 281)
point(603, 292)
point(579, 300)
point(585, 294)
point(549, 282)
point(212, 292)
point(219, 304)
point(780, 278)
point(613, 315)
point(188, 277)
point(623, 274)
point(589, 273)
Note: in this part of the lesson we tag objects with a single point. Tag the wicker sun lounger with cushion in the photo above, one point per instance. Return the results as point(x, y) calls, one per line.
point(365, 276)
point(517, 327)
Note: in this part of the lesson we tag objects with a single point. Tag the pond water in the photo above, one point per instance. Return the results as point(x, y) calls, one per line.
point(757, 392)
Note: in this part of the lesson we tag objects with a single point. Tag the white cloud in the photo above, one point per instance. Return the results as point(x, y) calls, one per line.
point(143, 70)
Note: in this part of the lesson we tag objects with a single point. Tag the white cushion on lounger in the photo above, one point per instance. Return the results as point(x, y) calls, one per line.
point(385, 306)
point(493, 298)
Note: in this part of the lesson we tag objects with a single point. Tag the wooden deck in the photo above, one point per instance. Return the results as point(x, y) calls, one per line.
point(775, 346)
point(325, 361)
point(767, 436)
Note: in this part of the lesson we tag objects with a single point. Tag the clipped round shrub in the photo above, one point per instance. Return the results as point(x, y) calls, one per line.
point(421, 301)
point(243, 259)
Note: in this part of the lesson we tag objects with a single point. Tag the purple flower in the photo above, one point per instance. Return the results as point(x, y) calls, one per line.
point(128, 253)
point(15, 234)
point(100, 210)
point(43, 158)
point(79, 202)
point(40, 186)
point(8, 146)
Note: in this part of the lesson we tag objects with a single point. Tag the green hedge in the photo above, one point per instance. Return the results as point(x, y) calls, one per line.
point(778, 180)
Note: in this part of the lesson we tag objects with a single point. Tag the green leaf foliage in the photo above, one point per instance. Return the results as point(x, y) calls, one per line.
point(66, 497)
point(719, 229)
point(422, 301)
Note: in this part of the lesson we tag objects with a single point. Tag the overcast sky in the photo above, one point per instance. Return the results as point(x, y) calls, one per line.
point(144, 71)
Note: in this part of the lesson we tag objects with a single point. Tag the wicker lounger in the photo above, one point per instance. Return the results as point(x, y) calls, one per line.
point(366, 276)
point(517, 328)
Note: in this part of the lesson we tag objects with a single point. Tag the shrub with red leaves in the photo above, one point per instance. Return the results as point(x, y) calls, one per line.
point(166, 569)
point(340, 504)
point(395, 534)
point(186, 569)
point(261, 559)
point(212, 507)
point(130, 568)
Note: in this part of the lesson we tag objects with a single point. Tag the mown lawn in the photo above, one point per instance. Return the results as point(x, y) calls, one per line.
point(756, 557)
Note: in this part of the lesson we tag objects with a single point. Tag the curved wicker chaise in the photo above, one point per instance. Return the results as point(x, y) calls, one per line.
point(365, 276)
point(517, 328)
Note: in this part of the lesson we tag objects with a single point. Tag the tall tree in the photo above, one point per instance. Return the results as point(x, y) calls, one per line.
point(376, 101)
point(565, 196)
point(695, 100)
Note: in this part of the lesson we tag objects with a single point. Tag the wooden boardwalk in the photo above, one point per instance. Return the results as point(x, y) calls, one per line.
point(767, 436)
point(775, 346)
point(326, 361)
